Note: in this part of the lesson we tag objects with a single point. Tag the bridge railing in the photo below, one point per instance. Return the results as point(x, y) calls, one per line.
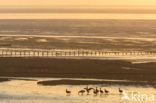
point(51, 53)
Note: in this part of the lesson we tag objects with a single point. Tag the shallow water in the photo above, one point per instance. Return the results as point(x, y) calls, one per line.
point(22, 91)
point(77, 16)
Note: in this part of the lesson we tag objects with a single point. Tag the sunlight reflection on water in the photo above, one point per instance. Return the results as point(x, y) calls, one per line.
point(22, 91)
point(76, 16)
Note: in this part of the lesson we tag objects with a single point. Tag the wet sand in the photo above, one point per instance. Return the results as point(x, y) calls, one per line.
point(77, 68)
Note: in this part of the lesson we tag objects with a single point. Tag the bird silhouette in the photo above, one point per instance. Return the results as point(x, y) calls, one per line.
point(120, 91)
point(106, 91)
point(101, 91)
point(81, 91)
point(88, 90)
point(68, 92)
point(95, 92)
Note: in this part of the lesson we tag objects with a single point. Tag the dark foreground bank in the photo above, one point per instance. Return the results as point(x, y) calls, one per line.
point(90, 82)
point(3, 79)
point(76, 68)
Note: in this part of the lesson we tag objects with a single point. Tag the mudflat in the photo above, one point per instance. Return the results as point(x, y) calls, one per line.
point(91, 82)
point(77, 68)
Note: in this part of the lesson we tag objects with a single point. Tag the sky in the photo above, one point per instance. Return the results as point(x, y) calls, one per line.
point(36, 3)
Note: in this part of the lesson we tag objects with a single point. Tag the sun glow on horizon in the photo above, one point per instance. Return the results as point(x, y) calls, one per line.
point(34, 3)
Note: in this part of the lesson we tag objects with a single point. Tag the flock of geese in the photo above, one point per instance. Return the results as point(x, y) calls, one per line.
point(96, 91)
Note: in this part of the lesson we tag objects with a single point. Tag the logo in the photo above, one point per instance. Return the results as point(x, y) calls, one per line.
point(125, 96)
point(138, 97)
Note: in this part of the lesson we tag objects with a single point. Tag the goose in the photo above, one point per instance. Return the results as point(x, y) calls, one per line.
point(88, 89)
point(106, 91)
point(97, 90)
point(81, 91)
point(68, 92)
point(121, 91)
point(101, 91)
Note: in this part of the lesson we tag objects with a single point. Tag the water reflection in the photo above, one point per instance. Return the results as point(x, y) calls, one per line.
point(23, 91)
point(76, 16)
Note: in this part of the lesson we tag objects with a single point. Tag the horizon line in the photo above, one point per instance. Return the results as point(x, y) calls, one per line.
point(100, 6)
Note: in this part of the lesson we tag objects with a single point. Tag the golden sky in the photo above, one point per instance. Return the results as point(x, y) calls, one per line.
point(75, 2)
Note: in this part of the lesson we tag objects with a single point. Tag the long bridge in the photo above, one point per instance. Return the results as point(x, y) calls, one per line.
point(71, 53)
